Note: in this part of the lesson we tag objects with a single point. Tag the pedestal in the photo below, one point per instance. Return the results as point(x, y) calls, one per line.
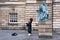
point(45, 28)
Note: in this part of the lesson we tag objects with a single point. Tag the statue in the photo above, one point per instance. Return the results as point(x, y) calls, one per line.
point(42, 14)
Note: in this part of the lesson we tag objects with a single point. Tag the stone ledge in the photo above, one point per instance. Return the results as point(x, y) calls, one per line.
point(12, 28)
point(15, 28)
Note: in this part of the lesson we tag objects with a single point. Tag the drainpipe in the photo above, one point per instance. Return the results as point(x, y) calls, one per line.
point(52, 15)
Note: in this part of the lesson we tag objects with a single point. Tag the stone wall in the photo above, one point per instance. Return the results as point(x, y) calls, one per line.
point(5, 10)
point(28, 10)
point(25, 11)
point(56, 15)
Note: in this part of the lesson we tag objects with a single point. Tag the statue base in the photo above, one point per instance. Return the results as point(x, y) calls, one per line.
point(45, 29)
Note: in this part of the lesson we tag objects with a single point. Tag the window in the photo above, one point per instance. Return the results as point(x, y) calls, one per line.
point(13, 18)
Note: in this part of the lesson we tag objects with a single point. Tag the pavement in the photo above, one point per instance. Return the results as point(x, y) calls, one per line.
point(23, 35)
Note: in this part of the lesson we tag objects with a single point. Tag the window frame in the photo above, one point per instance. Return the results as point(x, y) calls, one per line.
point(10, 18)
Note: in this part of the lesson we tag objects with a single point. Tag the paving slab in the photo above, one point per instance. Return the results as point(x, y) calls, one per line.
point(23, 35)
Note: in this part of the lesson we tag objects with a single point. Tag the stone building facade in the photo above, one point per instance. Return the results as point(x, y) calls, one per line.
point(15, 13)
point(56, 15)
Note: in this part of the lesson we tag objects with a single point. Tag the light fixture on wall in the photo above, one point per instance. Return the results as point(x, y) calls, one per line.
point(13, 9)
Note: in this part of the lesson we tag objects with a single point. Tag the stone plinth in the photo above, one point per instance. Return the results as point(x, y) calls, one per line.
point(45, 29)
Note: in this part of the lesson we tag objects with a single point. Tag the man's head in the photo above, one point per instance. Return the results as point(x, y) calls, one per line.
point(31, 19)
